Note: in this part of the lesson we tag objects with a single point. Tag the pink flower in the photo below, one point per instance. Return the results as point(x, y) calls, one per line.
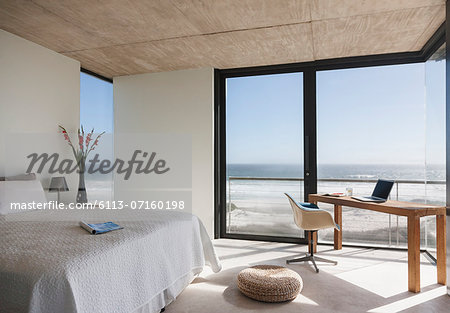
point(80, 141)
point(88, 139)
point(66, 136)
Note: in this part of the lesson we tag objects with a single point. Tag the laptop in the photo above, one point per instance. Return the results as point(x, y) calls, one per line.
point(380, 193)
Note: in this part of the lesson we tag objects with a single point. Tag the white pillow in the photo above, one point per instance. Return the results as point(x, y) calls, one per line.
point(25, 191)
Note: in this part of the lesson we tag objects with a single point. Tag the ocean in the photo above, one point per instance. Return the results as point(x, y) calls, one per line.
point(361, 171)
point(258, 206)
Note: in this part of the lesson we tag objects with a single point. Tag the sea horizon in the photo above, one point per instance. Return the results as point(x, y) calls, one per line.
point(353, 171)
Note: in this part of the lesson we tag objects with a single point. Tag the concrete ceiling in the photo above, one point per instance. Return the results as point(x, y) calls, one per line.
point(117, 37)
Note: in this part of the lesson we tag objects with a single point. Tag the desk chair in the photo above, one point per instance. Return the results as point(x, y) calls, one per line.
point(309, 217)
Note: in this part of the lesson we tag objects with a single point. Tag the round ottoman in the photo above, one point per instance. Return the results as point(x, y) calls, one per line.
point(269, 283)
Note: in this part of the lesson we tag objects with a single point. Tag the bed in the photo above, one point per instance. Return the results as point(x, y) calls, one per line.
point(50, 264)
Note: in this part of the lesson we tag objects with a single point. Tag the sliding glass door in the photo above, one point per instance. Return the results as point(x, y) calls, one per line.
point(264, 153)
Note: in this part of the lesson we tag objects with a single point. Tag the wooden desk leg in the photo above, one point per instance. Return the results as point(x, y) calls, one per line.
point(337, 233)
point(441, 249)
point(312, 236)
point(414, 253)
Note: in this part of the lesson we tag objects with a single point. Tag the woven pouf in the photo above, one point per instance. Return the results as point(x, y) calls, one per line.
point(269, 283)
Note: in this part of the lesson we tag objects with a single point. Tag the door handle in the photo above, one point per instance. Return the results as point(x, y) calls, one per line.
point(307, 155)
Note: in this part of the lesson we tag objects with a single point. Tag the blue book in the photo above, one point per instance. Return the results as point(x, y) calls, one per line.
point(100, 228)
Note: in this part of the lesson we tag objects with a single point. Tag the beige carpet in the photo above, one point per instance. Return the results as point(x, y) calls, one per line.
point(365, 280)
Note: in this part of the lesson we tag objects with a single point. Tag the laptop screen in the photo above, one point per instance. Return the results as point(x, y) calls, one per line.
point(383, 189)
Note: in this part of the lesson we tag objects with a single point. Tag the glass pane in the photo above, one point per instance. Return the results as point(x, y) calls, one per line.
point(435, 142)
point(435, 126)
point(264, 130)
point(96, 111)
point(372, 124)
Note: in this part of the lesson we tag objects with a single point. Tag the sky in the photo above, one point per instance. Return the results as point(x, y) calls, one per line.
point(97, 111)
point(374, 115)
point(96, 104)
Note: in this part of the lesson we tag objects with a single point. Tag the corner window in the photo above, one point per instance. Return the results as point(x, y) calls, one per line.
point(97, 112)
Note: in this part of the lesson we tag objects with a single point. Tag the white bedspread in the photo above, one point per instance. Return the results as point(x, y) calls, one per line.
point(59, 267)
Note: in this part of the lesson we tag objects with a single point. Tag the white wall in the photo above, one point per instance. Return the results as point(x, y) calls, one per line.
point(179, 102)
point(39, 89)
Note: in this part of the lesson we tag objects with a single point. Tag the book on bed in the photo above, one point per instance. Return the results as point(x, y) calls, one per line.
point(100, 228)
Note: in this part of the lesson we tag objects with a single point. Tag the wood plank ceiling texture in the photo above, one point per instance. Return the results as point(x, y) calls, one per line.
point(117, 37)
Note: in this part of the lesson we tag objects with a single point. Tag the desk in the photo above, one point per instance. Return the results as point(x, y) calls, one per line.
point(413, 211)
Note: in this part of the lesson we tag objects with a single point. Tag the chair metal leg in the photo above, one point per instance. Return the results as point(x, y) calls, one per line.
point(303, 259)
point(429, 257)
point(315, 266)
point(311, 257)
point(319, 259)
point(306, 258)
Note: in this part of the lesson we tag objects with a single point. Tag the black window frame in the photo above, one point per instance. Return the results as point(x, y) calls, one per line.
point(106, 79)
